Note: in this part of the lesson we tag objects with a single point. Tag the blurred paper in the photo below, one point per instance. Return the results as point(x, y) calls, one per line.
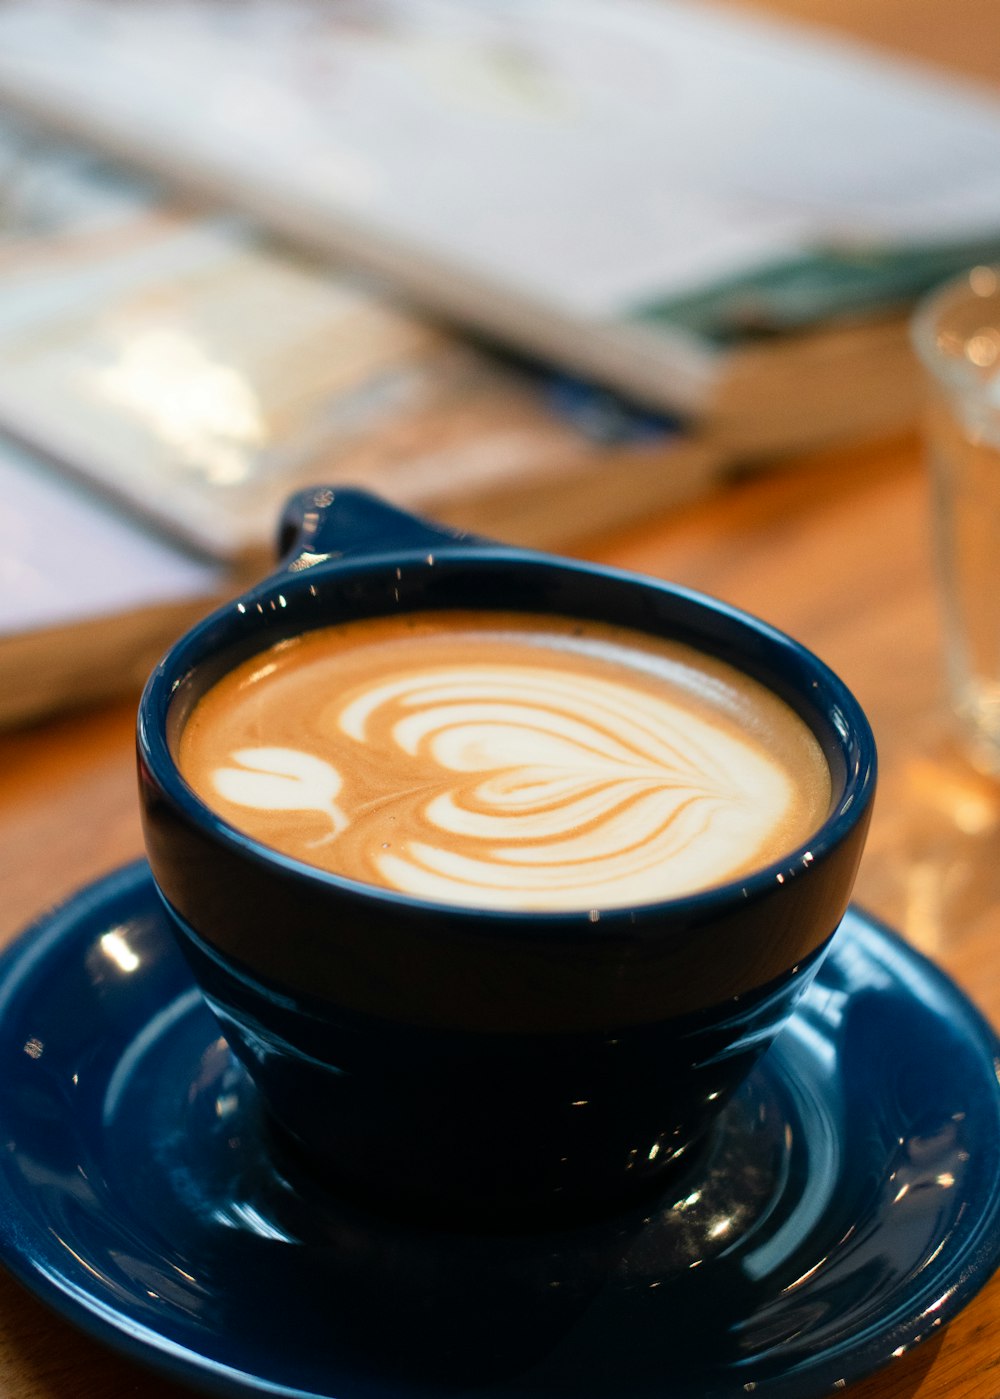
point(66, 557)
point(185, 364)
point(534, 167)
point(88, 599)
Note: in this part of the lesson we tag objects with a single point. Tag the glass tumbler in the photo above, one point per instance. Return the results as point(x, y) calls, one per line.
point(956, 332)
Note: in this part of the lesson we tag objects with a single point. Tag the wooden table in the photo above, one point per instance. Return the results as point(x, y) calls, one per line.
point(834, 550)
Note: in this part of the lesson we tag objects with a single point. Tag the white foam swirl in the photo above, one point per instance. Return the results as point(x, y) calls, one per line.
point(281, 779)
point(548, 789)
point(596, 793)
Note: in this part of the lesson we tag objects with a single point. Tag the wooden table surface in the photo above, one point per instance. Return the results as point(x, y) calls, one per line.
point(835, 550)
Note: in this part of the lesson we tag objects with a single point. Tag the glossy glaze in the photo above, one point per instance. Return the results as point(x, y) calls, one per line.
point(845, 1207)
point(481, 1060)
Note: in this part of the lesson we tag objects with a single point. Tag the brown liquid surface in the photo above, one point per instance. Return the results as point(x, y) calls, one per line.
point(504, 760)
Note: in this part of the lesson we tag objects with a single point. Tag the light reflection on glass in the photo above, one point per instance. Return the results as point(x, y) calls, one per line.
point(939, 864)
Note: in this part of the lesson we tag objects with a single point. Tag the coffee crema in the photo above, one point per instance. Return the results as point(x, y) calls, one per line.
point(505, 760)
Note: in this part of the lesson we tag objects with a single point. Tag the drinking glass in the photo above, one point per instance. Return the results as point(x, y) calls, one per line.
point(956, 333)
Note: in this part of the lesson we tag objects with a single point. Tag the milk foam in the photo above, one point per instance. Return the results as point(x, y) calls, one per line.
point(527, 785)
point(281, 779)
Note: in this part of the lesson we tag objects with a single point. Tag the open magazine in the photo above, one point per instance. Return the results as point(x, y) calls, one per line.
point(182, 363)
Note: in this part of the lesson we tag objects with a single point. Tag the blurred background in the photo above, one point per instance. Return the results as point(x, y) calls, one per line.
point(539, 270)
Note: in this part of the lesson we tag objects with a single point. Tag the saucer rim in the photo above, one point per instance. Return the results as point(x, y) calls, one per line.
point(847, 1362)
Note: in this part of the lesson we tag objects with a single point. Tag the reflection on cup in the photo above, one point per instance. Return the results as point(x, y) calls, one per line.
point(957, 336)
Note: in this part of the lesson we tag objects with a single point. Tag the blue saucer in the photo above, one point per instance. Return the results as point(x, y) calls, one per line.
point(845, 1206)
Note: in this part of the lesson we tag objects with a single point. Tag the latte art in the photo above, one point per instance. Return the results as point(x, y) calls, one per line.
point(463, 763)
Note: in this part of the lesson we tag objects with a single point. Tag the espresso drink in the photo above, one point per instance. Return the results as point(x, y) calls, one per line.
point(504, 760)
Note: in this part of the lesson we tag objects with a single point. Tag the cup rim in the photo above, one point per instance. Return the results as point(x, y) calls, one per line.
point(181, 661)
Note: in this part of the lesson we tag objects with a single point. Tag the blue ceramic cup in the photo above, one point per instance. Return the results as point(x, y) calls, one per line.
point(486, 1064)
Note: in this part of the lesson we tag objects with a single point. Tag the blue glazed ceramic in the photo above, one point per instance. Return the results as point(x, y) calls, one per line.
point(473, 1062)
point(846, 1203)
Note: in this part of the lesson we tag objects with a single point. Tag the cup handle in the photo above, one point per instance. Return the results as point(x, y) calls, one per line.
point(325, 522)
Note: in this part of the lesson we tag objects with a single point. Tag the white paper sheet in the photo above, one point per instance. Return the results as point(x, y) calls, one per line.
point(588, 154)
point(67, 557)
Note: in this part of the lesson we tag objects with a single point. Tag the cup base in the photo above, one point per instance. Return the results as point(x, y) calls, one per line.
point(469, 1208)
point(492, 1128)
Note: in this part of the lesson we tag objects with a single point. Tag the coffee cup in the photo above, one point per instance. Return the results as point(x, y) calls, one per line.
point(533, 999)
